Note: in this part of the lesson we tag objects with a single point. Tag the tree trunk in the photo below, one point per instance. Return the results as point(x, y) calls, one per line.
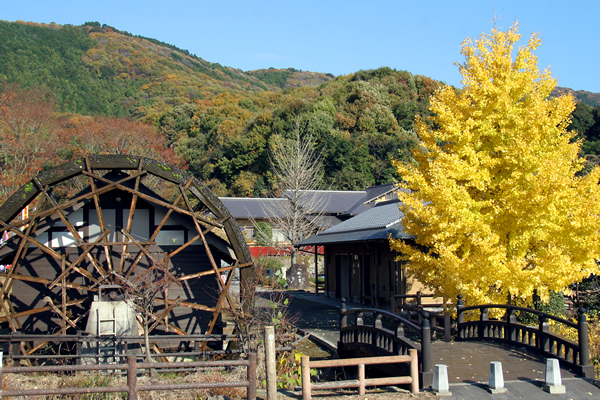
point(147, 341)
point(292, 256)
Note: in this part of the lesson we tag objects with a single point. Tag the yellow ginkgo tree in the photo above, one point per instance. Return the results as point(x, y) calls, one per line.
point(495, 202)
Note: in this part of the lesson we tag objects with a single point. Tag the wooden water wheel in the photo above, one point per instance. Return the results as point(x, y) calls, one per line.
point(114, 229)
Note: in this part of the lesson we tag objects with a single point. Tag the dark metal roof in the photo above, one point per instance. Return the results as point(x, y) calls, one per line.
point(333, 201)
point(380, 222)
point(257, 208)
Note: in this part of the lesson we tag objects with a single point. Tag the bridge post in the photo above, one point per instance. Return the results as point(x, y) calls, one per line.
point(460, 317)
point(426, 371)
point(543, 343)
point(447, 327)
point(483, 324)
point(587, 370)
point(343, 317)
point(510, 334)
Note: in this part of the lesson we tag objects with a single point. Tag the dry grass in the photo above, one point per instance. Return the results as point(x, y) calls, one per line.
point(81, 380)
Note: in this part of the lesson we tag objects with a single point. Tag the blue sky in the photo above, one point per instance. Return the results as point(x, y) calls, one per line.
point(342, 37)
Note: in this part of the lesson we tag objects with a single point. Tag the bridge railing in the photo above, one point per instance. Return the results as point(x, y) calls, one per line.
point(386, 334)
point(536, 338)
point(441, 322)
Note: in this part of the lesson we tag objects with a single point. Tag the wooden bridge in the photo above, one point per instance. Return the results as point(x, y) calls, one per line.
point(369, 331)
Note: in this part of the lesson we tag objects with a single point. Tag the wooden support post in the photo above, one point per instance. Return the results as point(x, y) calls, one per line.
point(316, 270)
point(305, 367)
point(426, 371)
point(251, 377)
point(343, 318)
point(483, 324)
point(361, 379)
point(460, 317)
point(587, 370)
point(447, 327)
point(63, 295)
point(414, 370)
point(132, 377)
point(271, 366)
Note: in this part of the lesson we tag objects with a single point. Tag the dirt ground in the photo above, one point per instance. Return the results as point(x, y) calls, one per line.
point(371, 394)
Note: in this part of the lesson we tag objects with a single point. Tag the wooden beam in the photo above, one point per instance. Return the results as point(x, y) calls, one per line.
point(100, 217)
point(132, 209)
point(193, 306)
point(53, 253)
point(160, 202)
point(71, 228)
point(224, 287)
point(165, 314)
point(204, 273)
point(47, 282)
point(66, 319)
point(155, 233)
point(79, 259)
point(10, 316)
point(50, 211)
point(156, 262)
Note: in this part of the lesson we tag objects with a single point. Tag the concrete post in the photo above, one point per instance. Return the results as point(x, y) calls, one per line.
point(440, 384)
point(496, 384)
point(553, 379)
point(270, 363)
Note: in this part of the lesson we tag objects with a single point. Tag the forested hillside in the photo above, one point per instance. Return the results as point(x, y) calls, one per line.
point(94, 89)
point(94, 69)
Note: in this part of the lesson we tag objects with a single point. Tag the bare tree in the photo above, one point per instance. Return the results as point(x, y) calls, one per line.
point(141, 292)
point(297, 166)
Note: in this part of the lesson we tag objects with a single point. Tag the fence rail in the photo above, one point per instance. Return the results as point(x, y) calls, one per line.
point(357, 336)
point(362, 381)
point(537, 338)
point(132, 367)
point(187, 346)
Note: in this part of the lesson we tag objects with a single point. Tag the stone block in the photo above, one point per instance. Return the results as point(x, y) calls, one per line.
point(553, 379)
point(297, 277)
point(496, 384)
point(440, 381)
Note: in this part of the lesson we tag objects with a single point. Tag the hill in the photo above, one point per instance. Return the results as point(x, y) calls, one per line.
point(97, 69)
point(218, 120)
point(589, 98)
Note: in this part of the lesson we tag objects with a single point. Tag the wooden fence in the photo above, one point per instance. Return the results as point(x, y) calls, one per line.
point(377, 338)
point(132, 367)
point(362, 382)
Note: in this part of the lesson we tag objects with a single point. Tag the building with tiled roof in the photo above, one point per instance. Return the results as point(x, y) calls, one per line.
point(359, 264)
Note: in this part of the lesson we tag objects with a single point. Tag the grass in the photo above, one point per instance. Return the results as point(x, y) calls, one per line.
point(96, 379)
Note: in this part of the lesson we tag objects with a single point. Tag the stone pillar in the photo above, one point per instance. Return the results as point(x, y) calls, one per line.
point(553, 379)
point(440, 384)
point(496, 378)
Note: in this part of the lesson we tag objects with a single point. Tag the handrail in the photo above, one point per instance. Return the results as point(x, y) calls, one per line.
point(385, 313)
point(384, 340)
point(539, 339)
point(517, 308)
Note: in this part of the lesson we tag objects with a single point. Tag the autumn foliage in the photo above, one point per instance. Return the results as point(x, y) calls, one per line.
point(495, 200)
point(34, 136)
